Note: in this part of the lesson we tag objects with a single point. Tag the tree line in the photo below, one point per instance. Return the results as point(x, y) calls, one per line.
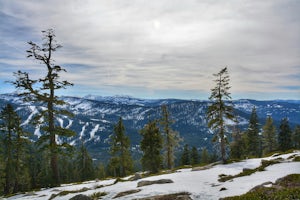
point(50, 161)
point(259, 141)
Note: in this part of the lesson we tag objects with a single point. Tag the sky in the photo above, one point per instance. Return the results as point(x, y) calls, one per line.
point(158, 48)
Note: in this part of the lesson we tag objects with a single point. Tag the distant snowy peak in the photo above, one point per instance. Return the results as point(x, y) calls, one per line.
point(128, 100)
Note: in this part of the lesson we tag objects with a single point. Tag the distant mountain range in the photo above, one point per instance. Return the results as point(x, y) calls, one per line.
point(95, 117)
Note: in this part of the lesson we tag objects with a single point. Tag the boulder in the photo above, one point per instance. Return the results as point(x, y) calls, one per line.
point(81, 197)
point(136, 176)
point(161, 181)
point(176, 196)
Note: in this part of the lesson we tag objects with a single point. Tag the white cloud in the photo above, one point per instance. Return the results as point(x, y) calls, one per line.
point(168, 44)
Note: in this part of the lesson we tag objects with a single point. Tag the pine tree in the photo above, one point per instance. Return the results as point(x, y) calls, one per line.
point(20, 143)
point(253, 143)
point(220, 109)
point(237, 145)
point(121, 159)
point(186, 155)
point(171, 137)
point(296, 137)
point(284, 135)
point(100, 173)
point(269, 136)
point(151, 145)
point(85, 167)
point(194, 156)
point(9, 120)
point(204, 156)
point(43, 90)
point(14, 141)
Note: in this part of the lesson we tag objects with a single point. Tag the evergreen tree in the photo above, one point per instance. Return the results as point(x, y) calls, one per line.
point(20, 152)
point(151, 145)
point(194, 156)
point(9, 119)
point(185, 157)
point(121, 159)
point(253, 143)
point(237, 145)
point(14, 141)
point(269, 136)
point(204, 156)
point(284, 135)
point(296, 137)
point(171, 138)
point(43, 90)
point(100, 171)
point(85, 167)
point(220, 109)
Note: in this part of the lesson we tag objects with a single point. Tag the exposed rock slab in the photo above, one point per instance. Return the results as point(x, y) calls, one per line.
point(161, 181)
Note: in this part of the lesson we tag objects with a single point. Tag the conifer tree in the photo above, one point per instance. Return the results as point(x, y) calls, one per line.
point(237, 145)
point(121, 159)
point(220, 109)
point(100, 173)
point(186, 155)
point(296, 137)
point(194, 156)
point(14, 141)
point(204, 156)
point(171, 137)
point(284, 135)
point(253, 143)
point(43, 90)
point(20, 143)
point(269, 136)
point(85, 167)
point(151, 145)
point(8, 126)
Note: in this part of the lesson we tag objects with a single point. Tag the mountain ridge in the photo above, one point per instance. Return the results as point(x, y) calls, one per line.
point(94, 119)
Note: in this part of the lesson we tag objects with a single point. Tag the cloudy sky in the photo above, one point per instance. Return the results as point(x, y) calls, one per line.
point(159, 48)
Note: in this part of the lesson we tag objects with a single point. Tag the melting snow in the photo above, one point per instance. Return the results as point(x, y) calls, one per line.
point(201, 184)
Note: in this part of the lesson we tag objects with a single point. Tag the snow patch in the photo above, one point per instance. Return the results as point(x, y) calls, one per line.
point(95, 129)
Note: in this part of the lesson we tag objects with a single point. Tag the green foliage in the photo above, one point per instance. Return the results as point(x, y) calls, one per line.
point(185, 157)
point(151, 145)
point(237, 146)
point(171, 138)
point(296, 137)
point(194, 156)
point(247, 172)
point(284, 135)
point(121, 162)
point(100, 171)
point(221, 108)
point(269, 193)
point(66, 192)
point(14, 141)
point(269, 136)
point(286, 188)
point(43, 90)
point(205, 156)
point(84, 164)
point(97, 195)
point(253, 139)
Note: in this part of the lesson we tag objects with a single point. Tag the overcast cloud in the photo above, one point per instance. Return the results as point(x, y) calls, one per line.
point(160, 48)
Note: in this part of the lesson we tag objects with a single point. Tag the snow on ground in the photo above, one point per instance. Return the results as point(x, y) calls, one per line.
point(202, 184)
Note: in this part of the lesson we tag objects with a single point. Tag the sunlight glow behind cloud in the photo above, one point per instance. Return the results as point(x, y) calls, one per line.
point(142, 48)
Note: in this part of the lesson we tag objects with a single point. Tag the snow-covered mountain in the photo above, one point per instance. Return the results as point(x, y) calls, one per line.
point(95, 117)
